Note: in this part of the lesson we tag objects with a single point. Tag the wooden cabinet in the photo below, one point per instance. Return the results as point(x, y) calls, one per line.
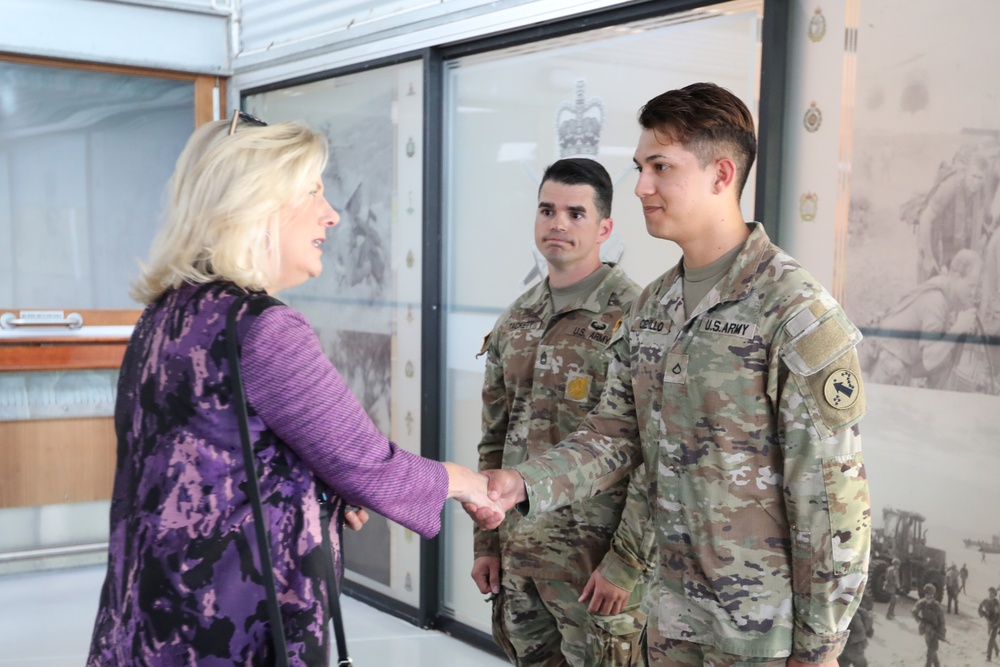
point(61, 460)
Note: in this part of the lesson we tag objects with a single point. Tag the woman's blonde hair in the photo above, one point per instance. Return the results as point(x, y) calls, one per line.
point(227, 194)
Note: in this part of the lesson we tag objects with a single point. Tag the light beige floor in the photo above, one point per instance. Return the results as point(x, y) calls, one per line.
point(46, 619)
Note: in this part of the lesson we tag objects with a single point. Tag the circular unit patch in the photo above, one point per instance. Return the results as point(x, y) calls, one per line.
point(841, 389)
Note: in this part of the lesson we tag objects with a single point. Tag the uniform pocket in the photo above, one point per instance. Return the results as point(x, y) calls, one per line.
point(848, 507)
point(614, 641)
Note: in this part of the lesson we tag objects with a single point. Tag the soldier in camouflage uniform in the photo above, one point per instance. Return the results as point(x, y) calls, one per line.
point(735, 379)
point(545, 367)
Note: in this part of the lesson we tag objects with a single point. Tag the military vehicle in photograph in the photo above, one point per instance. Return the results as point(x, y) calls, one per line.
point(903, 536)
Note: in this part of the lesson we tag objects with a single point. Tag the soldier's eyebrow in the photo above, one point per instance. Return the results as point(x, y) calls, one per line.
point(574, 208)
point(651, 158)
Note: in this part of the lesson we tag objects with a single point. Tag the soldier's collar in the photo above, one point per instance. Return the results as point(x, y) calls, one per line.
point(736, 284)
point(597, 299)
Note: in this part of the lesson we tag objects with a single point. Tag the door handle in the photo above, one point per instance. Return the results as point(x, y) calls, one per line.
point(41, 319)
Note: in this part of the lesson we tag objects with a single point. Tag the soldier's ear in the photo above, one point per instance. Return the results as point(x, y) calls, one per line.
point(605, 227)
point(725, 174)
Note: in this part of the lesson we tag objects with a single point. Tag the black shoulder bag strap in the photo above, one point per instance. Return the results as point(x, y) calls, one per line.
point(250, 464)
point(332, 590)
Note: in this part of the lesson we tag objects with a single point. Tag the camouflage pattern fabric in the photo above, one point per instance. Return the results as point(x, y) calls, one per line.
point(745, 415)
point(547, 627)
point(544, 373)
point(678, 653)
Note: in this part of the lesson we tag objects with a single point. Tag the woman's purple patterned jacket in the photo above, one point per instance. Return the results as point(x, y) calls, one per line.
point(183, 584)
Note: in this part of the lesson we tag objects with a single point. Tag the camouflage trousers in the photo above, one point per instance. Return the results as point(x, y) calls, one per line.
point(664, 652)
point(540, 623)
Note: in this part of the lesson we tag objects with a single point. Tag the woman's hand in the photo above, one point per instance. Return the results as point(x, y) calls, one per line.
point(355, 517)
point(470, 488)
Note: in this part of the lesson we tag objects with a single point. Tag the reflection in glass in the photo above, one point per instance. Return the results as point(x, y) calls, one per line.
point(84, 161)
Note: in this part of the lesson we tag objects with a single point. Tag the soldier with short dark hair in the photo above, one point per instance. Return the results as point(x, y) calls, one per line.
point(561, 598)
point(930, 620)
point(990, 610)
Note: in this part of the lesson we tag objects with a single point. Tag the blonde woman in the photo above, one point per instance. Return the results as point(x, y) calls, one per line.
point(246, 216)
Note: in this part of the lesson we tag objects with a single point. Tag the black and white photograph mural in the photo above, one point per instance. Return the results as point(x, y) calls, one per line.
point(924, 258)
point(922, 272)
point(352, 304)
point(363, 360)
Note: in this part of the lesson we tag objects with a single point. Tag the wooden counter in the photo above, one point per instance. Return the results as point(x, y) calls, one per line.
point(52, 461)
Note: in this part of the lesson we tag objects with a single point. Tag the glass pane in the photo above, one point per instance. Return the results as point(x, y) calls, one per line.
point(510, 114)
point(84, 159)
point(365, 306)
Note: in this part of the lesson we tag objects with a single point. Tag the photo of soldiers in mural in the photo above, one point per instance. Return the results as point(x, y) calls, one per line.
point(924, 199)
point(922, 280)
point(910, 557)
point(930, 623)
point(937, 323)
point(989, 609)
point(351, 304)
point(364, 360)
point(862, 628)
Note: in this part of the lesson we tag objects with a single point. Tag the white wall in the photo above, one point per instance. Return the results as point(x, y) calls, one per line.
point(313, 37)
point(183, 35)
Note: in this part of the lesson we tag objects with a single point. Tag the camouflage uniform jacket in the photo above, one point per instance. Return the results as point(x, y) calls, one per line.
point(745, 414)
point(544, 373)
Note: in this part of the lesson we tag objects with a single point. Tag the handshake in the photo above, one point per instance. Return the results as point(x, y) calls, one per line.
point(486, 496)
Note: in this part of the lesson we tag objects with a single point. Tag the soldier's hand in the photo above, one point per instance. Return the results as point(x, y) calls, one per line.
point(506, 487)
point(486, 574)
point(605, 598)
point(470, 488)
